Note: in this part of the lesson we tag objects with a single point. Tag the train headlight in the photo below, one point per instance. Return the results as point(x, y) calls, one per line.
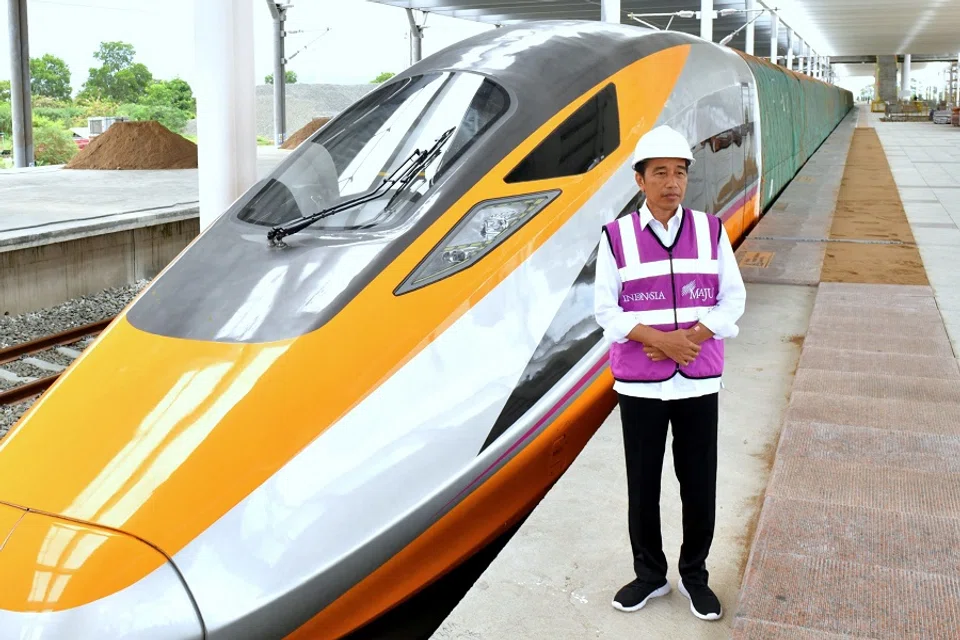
point(484, 227)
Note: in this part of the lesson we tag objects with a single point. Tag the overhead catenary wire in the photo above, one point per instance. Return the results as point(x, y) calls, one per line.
point(309, 44)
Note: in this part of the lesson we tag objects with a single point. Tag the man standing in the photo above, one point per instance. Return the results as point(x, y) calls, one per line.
point(668, 291)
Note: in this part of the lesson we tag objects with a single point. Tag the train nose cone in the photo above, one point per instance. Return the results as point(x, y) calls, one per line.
point(63, 579)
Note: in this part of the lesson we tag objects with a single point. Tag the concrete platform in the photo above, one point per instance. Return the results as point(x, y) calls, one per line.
point(68, 233)
point(792, 236)
point(860, 530)
point(51, 204)
point(925, 161)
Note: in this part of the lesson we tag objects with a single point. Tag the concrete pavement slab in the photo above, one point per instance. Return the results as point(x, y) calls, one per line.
point(852, 599)
point(817, 358)
point(921, 493)
point(757, 630)
point(883, 448)
point(880, 413)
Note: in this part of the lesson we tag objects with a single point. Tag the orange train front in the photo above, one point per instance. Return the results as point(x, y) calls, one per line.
point(379, 359)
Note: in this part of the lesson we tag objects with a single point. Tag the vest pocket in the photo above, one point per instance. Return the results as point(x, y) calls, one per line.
point(708, 363)
point(629, 363)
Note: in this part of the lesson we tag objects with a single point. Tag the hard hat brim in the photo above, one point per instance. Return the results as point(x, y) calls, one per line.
point(637, 161)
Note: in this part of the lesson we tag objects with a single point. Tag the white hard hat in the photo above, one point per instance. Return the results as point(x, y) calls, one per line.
point(662, 142)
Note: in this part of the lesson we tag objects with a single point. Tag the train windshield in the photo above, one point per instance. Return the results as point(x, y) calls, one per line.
point(350, 159)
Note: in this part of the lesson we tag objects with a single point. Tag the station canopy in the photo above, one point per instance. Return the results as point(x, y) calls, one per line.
point(831, 27)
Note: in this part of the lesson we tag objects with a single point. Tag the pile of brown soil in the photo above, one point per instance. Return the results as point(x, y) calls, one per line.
point(869, 208)
point(137, 145)
point(303, 133)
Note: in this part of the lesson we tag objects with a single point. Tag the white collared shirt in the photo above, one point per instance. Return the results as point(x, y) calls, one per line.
point(617, 323)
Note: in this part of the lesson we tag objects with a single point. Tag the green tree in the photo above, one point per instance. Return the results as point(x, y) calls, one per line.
point(170, 117)
point(185, 100)
point(4, 91)
point(383, 77)
point(50, 77)
point(119, 78)
point(291, 77)
point(6, 119)
point(89, 108)
point(52, 144)
point(62, 116)
point(173, 93)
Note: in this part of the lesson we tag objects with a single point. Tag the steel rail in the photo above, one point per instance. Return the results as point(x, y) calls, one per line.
point(38, 386)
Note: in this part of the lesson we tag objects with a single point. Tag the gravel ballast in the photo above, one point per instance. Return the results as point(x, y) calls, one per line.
point(37, 324)
point(73, 313)
point(9, 414)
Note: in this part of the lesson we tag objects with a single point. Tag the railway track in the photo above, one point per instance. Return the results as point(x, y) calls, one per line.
point(37, 355)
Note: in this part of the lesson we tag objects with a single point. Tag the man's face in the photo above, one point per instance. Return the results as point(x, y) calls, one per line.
point(664, 181)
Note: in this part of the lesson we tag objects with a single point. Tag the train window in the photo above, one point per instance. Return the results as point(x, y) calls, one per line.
point(380, 138)
point(579, 144)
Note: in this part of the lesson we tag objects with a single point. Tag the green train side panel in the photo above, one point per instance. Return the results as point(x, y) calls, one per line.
point(797, 113)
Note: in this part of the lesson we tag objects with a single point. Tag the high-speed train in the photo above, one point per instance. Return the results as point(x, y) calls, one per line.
point(384, 354)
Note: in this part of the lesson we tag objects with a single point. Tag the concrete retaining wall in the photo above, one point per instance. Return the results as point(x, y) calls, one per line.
point(46, 275)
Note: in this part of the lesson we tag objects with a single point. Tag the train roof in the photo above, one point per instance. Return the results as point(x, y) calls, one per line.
point(573, 54)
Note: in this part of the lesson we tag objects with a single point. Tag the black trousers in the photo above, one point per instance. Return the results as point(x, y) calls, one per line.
point(694, 423)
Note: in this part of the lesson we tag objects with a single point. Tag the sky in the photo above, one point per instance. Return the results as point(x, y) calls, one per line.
point(364, 38)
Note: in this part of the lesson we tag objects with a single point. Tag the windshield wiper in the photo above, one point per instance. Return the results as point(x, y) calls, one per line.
point(418, 161)
point(425, 161)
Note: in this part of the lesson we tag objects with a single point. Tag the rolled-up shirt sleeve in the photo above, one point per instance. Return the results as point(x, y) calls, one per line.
point(615, 322)
point(722, 318)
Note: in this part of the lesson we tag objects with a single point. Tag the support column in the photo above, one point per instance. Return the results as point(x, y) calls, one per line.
point(279, 13)
point(20, 101)
point(610, 11)
point(750, 35)
point(905, 92)
point(791, 41)
point(774, 38)
point(887, 78)
point(416, 39)
point(225, 87)
point(706, 20)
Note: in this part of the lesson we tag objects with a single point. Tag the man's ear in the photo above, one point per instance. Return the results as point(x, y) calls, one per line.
point(639, 179)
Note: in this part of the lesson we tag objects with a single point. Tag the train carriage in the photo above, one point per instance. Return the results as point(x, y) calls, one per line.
point(383, 354)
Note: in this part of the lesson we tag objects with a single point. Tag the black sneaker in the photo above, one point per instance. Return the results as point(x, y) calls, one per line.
point(703, 603)
point(636, 594)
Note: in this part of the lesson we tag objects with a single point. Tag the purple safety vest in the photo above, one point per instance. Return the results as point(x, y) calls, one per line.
point(666, 288)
